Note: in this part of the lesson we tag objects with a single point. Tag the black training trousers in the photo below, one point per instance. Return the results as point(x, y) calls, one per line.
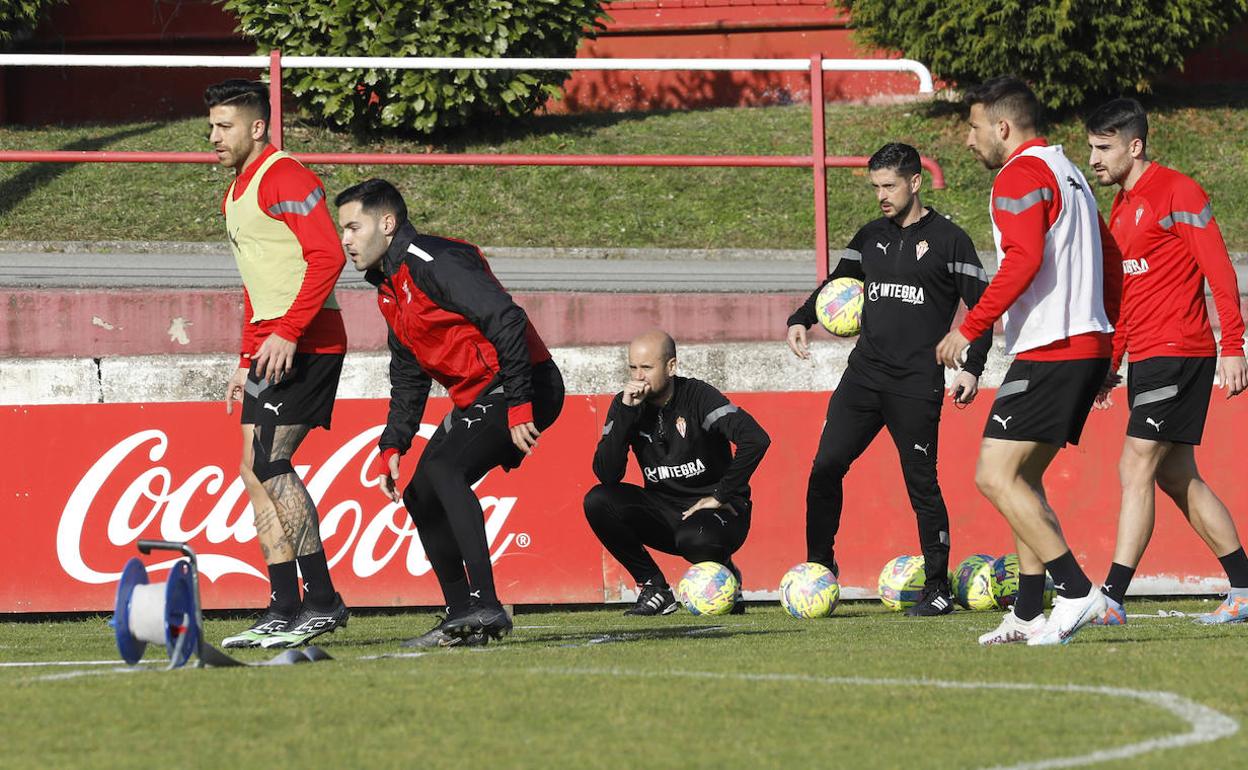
point(446, 511)
point(856, 413)
point(627, 519)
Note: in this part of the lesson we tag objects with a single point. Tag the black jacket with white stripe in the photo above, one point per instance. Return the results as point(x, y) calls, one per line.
point(450, 320)
point(913, 279)
point(684, 447)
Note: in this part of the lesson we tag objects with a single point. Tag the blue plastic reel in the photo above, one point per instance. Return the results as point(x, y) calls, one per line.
point(181, 621)
point(181, 615)
point(131, 648)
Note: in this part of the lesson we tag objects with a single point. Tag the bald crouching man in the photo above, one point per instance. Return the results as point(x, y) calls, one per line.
point(696, 498)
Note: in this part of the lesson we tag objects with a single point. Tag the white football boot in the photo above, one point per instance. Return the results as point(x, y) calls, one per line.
point(1070, 615)
point(1012, 630)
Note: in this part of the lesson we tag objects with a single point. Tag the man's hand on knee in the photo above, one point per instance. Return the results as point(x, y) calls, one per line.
point(524, 436)
point(705, 503)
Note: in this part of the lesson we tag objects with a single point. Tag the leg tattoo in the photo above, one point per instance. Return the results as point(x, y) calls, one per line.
point(273, 541)
point(294, 508)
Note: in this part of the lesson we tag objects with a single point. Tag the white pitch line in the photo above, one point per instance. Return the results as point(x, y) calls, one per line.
point(39, 663)
point(77, 674)
point(1162, 615)
point(1206, 724)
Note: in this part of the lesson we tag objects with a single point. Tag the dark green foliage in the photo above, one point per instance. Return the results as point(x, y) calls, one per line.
point(1069, 50)
point(419, 100)
point(18, 18)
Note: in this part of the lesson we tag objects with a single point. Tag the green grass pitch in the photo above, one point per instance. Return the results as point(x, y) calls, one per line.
point(589, 689)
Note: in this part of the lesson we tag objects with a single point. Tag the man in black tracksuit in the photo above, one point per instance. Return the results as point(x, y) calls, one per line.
point(915, 266)
point(696, 498)
point(452, 321)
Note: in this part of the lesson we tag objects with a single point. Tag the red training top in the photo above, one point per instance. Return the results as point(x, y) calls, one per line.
point(314, 329)
point(1022, 241)
point(1171, 245)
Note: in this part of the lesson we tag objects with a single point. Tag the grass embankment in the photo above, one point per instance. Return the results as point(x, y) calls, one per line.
point(595, 207)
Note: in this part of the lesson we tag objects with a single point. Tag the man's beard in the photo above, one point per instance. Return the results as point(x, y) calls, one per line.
point(901, 214)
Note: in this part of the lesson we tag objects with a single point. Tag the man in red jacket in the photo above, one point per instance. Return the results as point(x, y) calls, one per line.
point(1171, 245)
point(1056, 288)
point(450, 320)
point(294, 340)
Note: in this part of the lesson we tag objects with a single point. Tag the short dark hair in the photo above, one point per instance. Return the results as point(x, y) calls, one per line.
point(1123, 117)
point(903, 158)
point(669, 348)
point(1007, 94)
point(375, 195)
point(236, 92)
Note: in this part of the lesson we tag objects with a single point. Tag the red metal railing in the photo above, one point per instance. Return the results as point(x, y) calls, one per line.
point(818, 161)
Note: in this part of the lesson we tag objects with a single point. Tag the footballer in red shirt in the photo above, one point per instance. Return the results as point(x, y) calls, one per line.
point(293, 343)
point(1058, 303)
point(1171, 248)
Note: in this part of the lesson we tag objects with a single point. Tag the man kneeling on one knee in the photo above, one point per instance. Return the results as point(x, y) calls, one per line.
point(696, 498)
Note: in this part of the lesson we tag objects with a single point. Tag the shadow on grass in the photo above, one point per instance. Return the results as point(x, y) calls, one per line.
point(1177, 96)
point(592, 638)
point(465, 138)
point(15, 191)
point(1166, 97)
point(582, 125)
point(583, 638)
point(1202, 634)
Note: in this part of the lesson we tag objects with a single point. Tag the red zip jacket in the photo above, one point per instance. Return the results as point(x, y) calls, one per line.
point(1022, 240)
point(1171, 245)
point(313, 328)
point(450, 320)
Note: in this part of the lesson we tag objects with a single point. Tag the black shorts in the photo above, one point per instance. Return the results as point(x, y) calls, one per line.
point(305, 396)
point(1169, 398)
point(1046, 401)
point(484, 424)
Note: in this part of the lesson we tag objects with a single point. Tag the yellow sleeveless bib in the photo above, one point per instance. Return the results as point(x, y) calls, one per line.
point(269, 256)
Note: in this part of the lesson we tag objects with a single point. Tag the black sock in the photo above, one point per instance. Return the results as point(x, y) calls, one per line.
point(284, 588)
point(481, 578)
point(1068, 578)
point(318, 589)
point(1119, 578)
point(1030, 601)
point(657, 580)
point(1236, 565)
point(456, 594)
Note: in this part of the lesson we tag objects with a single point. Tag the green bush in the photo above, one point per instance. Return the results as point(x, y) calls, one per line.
point(419, 100)
point(18, 18)
point(1069, 50)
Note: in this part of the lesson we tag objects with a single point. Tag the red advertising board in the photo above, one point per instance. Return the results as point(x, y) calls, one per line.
point(86, 482)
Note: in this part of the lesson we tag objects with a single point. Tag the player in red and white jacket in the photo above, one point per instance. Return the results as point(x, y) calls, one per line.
point(450, 320)
point(1171, 245)
point(1057, 289)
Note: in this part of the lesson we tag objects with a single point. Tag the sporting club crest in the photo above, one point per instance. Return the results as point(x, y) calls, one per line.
point(680, 426)
point(920, 250)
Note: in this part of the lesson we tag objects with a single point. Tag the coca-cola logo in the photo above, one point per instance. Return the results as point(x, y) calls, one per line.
point(360, 529)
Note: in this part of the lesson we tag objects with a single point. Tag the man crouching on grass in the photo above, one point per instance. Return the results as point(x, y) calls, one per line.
point(696, 499)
